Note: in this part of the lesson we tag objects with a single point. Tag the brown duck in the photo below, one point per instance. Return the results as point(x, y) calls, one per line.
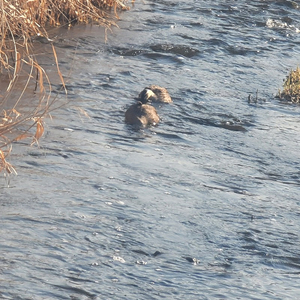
point(155, 93)
point(141, 114)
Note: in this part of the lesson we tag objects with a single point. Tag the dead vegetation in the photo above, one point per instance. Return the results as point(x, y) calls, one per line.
point(291, 87)
point(20, 71)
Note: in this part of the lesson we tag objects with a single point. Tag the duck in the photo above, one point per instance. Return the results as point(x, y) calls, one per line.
point(141, 114)
point(154, 93)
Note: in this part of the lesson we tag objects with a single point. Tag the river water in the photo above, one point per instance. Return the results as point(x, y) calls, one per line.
point(203, 206)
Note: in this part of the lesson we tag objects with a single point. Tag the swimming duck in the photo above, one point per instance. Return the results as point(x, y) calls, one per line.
point(141, 114)
point(154, 93)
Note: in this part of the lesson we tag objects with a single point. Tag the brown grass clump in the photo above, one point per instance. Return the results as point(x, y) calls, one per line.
point(20, 20)
point(291, 87)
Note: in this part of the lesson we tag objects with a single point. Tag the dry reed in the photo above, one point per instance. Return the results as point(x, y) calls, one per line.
point(20, 20)
point(291, 87)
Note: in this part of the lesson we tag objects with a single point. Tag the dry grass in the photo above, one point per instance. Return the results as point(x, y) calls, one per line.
point(20, 20)
point(291, 87)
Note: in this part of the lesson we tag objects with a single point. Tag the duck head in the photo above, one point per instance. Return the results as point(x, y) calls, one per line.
point(146, 95)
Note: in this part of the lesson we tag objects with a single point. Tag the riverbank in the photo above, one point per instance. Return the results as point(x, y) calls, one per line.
point(21, 22)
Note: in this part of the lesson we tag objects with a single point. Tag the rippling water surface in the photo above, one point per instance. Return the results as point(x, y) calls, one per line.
point(203, 206)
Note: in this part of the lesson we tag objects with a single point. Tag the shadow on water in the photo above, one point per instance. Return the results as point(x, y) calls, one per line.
point(200, 114)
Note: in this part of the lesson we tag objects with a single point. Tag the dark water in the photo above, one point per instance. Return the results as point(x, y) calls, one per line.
point(203, 206)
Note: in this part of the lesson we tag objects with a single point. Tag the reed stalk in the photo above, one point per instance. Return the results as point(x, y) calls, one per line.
point(20, 21)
